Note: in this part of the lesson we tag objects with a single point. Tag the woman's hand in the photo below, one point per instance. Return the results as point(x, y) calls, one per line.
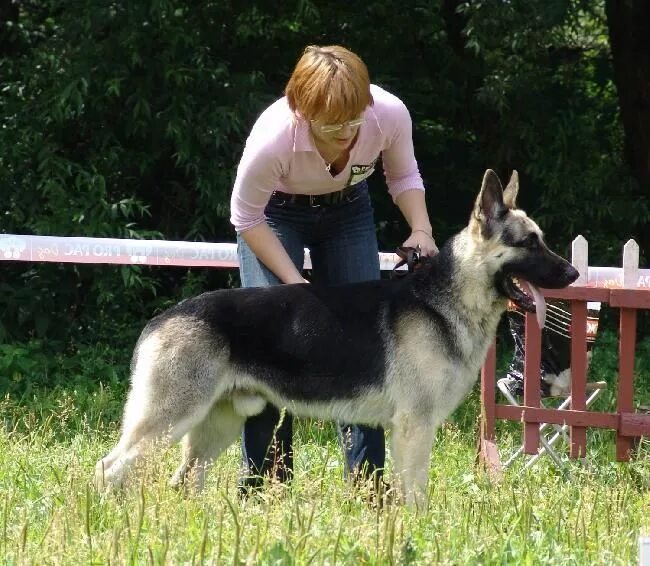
point(269, 250)
point(414, 209)
point(423, 239)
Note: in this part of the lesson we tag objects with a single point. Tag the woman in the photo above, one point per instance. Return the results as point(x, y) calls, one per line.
point(301, 183)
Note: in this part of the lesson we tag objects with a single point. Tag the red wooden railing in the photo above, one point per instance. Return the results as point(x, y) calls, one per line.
point(628, 294)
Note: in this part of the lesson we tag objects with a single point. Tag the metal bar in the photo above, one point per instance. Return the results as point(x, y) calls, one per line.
point(82, 249)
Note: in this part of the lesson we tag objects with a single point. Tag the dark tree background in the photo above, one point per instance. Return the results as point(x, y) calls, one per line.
point(628, 23)
point(127, 119)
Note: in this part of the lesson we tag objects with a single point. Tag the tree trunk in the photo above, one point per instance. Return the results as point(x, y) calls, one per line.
point(629, 36)
point(8, 19)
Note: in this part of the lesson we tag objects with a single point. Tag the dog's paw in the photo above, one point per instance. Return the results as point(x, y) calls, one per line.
point(105, 479)
point(188, 479)
point(99, 479)
point(177, 481)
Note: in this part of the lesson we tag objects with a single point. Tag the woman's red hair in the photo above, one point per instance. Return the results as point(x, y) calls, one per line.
point(329, 84)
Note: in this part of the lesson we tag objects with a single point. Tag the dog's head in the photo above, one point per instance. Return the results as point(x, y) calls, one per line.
point(513, 247)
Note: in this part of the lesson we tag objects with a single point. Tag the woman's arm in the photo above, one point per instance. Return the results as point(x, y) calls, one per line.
point(403, 177)
point(258, 173)
point(414, 208)
point(270, 251)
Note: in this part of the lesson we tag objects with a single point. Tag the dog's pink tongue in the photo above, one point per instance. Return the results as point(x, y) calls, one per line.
point(540, 305)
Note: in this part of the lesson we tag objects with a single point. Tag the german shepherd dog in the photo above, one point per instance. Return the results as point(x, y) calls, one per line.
point(400, 353)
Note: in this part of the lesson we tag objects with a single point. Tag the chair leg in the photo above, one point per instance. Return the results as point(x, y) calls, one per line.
point(547, 443)
point(547, 447)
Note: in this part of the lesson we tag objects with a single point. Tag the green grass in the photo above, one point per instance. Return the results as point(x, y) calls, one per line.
point(51, 438)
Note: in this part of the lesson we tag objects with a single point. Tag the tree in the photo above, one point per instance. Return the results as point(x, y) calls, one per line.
point(629, 35)
point(128, 119)
point(8, 19)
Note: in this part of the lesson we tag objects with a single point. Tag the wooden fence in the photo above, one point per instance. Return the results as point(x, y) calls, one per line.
point(626, 289)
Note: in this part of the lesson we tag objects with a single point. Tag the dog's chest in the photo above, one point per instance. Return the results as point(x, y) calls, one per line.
point(439, 359)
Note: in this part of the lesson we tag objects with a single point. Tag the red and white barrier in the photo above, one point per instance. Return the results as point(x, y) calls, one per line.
point(61, 249)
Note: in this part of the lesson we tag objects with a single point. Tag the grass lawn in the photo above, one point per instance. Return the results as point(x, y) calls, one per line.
point(51, 438)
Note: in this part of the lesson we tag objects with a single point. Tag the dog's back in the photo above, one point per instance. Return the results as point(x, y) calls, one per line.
point(308, 341)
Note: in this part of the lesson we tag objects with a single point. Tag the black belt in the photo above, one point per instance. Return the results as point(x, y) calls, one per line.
point(328, 199)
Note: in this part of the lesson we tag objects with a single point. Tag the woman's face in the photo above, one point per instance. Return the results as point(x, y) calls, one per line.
point(336, 136)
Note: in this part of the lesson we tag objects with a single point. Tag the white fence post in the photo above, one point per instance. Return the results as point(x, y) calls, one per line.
point(580, 258)
point(630, 264)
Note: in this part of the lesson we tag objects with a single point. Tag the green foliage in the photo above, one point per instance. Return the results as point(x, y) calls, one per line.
point(548, 76)
point(28, 367)
point(128, 120)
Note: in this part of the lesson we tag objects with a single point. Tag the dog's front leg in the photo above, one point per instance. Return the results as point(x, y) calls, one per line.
point(411, 444)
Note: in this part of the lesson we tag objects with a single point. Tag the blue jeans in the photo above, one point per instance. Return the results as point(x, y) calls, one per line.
point(343, 248)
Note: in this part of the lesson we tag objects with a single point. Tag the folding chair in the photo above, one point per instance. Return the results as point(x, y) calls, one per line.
point(557, 431)
point(555, 378)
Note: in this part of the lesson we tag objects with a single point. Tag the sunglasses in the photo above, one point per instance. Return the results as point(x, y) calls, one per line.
point(330, 128)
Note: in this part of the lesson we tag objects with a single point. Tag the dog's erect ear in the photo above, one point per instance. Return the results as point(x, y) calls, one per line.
point(510, 192)
point(489, 203)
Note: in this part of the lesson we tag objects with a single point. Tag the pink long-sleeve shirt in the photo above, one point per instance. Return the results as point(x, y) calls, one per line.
point(280, 155)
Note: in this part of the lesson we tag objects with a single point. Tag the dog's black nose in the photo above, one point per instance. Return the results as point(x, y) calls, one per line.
point(571, 274)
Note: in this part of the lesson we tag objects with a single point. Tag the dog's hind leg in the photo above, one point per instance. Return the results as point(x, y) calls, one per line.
point(411, 444)
point(161, 407)
point(205, 441)
point(151, 427)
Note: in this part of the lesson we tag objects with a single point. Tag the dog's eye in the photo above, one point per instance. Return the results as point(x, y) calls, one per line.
point(531, 241)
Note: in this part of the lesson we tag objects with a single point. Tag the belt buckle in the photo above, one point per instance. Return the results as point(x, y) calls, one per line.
point(280, 200)
point(312, 201)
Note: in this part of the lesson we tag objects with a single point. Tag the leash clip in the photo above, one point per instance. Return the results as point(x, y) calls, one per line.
point(409, 257)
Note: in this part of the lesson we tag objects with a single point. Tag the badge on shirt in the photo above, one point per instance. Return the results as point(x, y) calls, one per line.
point(360, 172)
